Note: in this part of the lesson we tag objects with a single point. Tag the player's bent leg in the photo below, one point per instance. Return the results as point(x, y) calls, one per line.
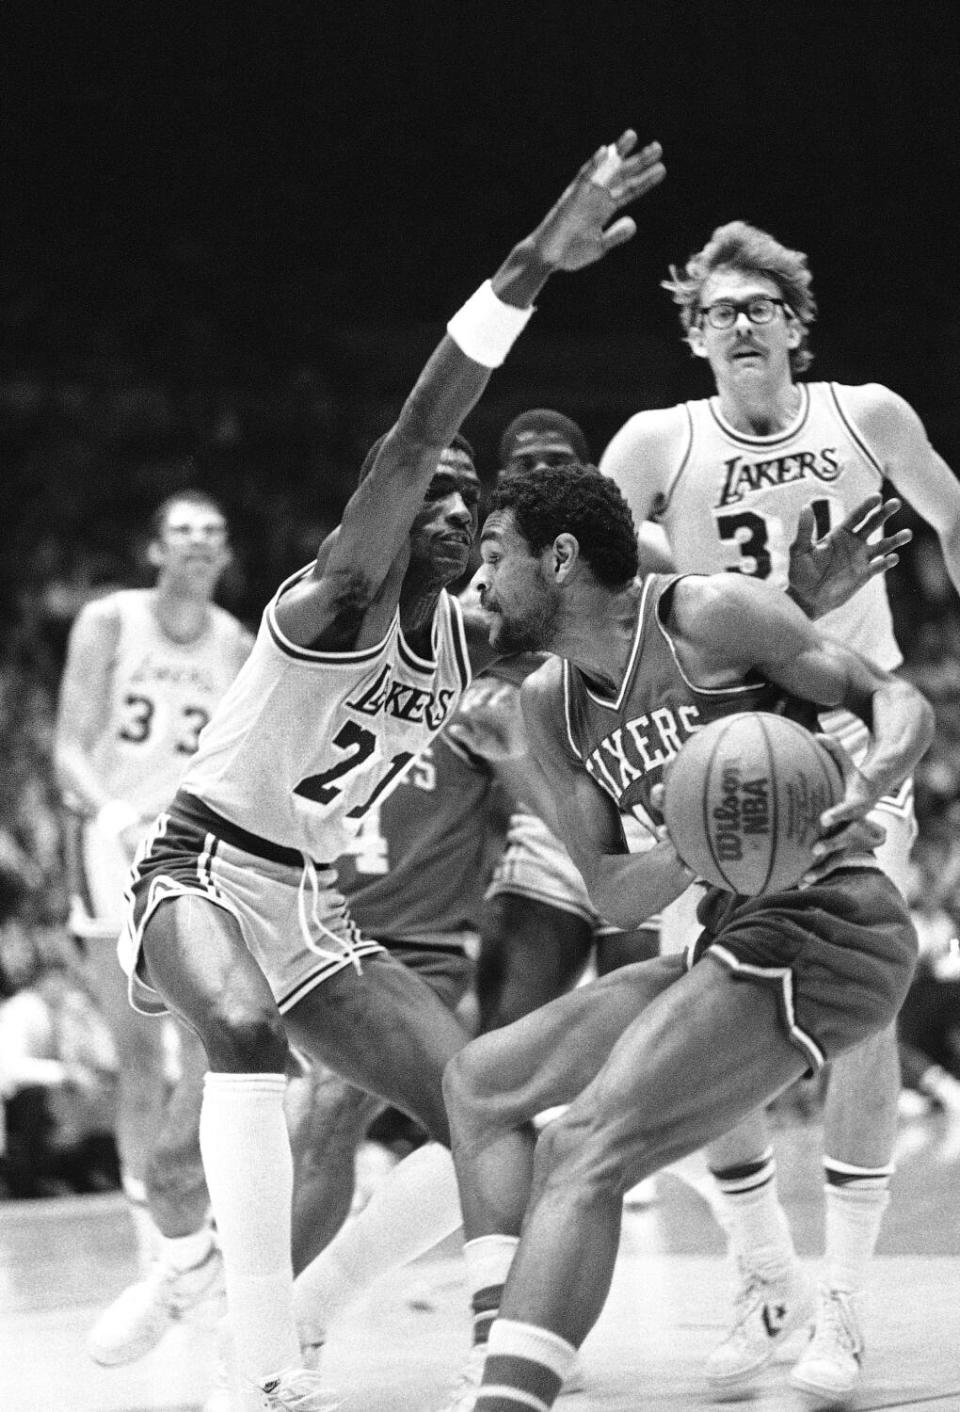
point(186, 1276)
point(141, 1082)
point(773, 1294)
point(648, 1106)
point(859, 1133)
point(501, 1081)
point(384, 1031)
point(494, 1089)
point(195, 956)
point(530, 952)
point(328, 1126)
point(176, 1186)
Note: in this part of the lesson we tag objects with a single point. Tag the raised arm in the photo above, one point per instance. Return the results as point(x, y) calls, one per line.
point(353, 568)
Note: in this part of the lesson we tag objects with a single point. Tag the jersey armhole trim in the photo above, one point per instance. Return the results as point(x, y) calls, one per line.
point(855, 433)
point(666, 495)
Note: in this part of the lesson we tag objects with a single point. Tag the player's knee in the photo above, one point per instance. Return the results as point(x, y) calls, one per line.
point(468, 1089)
point(242, 1036)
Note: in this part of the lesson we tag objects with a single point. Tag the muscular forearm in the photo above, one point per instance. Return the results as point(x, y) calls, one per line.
point(522, 275)
point(628, 888)
point(902, 727)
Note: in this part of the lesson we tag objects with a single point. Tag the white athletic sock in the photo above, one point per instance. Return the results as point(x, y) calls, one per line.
point(856, 1199)
point(249, 1171)
point(755, 1221)
point(415, 1206)
point(488, 1259)
point(695, 1173)
point(145, 1232)
point(186, 1252)
point(526, 1367)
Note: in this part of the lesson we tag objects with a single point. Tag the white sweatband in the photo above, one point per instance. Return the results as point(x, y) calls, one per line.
point(115, 816)
point(485, 328)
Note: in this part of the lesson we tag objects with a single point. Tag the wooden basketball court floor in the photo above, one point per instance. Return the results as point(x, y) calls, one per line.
point(62, 1260)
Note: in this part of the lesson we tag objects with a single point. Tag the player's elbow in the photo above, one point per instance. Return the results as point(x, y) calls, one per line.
point(618, 906)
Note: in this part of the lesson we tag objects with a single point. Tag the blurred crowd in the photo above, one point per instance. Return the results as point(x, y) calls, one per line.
point(89, 457)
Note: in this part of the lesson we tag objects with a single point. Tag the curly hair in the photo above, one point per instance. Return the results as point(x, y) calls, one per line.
point(741, 246)
point(574, 499)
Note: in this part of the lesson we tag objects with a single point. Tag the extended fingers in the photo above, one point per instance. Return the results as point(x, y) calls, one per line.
point(619, 233)
point(622, 176)
point(871, 516)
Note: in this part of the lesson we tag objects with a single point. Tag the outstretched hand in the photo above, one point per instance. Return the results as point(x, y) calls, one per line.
point(825, 572)
point(575, 232)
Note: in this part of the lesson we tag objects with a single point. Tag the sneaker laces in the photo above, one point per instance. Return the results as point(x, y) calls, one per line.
point(837, 1324)
point(749, 1294)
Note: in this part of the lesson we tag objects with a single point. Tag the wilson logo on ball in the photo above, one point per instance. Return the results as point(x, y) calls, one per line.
point(743, 800)
point(743, 811)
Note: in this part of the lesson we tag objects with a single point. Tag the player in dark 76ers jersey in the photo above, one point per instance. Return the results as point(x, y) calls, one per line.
point(236, 921)
point(657, 1058)
point(731, 481)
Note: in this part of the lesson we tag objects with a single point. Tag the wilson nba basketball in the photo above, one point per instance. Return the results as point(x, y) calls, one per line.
point(743, 799)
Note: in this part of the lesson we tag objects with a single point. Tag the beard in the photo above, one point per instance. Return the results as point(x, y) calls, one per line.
point(532, 631)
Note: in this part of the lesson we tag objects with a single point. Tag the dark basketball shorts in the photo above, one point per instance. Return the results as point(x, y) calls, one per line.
point(447, 970)
point(839, 955)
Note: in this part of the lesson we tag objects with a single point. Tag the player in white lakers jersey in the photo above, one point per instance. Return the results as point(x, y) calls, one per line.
point(145, 671)
point(737, 482)
point(657, 1058)
point(236, 923)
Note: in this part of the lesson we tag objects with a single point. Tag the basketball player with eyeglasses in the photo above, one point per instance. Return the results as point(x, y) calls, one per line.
point(737, 482)
point(660, 1057)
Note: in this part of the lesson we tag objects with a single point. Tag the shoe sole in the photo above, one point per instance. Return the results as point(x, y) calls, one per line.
point(812, 1389)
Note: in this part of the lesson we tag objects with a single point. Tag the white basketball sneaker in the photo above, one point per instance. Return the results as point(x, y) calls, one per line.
point(832, 1361)
point(768, 1309)
point(139, 1317)
point(225, 1395)
point(463, 1397)
point(297, 1390)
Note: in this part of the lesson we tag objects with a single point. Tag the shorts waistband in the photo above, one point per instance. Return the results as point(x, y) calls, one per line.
point(196, 812)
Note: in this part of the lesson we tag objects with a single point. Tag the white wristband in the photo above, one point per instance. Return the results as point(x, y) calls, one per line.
point(115, 816)
point(485, 328)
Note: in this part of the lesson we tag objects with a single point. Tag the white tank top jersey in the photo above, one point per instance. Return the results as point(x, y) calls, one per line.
point(734, 501)
point(162, 694)
point(305, 742)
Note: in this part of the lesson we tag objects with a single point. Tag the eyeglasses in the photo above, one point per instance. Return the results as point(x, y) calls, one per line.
point(759, 309)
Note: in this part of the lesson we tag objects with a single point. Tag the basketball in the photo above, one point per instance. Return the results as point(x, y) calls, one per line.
point(743, 799)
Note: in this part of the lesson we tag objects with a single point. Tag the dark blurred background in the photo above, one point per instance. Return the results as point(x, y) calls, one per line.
point(233, 233)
